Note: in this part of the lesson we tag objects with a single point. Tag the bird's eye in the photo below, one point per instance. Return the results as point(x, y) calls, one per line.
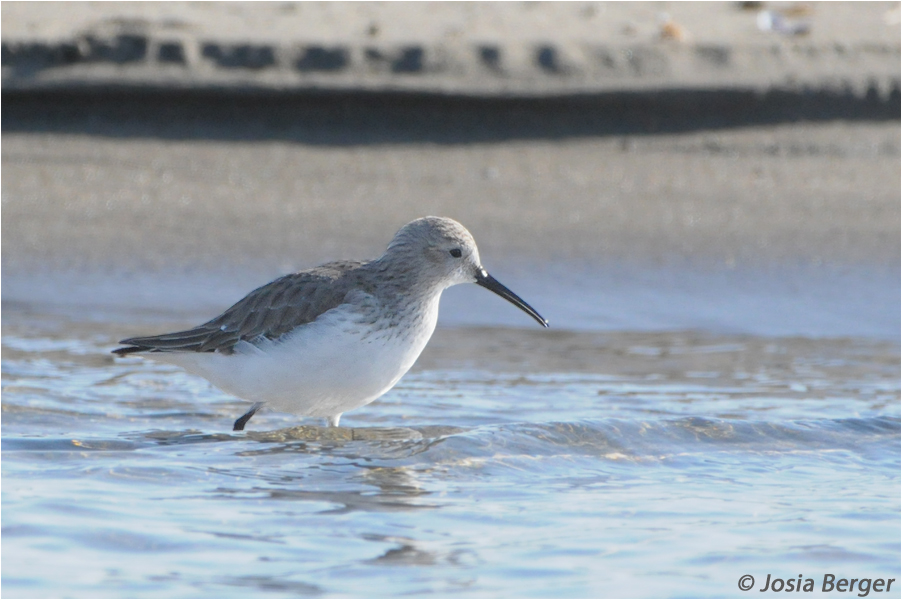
point(455, 252)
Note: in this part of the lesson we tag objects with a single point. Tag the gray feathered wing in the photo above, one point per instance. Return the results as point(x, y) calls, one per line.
point(268, 312)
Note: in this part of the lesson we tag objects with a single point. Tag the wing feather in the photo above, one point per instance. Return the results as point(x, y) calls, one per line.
point(268, 312)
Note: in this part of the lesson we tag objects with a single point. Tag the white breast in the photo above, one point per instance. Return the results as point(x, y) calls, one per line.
point(337, 363)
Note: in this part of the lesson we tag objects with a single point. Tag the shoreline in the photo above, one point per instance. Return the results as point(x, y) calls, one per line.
point(773, 302)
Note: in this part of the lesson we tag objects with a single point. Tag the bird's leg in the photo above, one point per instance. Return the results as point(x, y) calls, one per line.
point(333, 420)
point(243, 419)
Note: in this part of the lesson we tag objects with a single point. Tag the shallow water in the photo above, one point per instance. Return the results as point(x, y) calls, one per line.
point(554, 464)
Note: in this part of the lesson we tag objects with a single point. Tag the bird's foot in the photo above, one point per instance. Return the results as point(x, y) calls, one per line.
point(243, 419)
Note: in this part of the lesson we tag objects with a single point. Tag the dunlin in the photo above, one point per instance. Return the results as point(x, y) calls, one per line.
point(327, 340)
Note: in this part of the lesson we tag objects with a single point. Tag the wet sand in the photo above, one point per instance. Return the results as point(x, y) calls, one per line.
point(807, 193)
point(700, 218)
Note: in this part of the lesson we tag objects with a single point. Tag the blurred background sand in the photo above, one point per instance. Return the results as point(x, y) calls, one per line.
point(113, 167)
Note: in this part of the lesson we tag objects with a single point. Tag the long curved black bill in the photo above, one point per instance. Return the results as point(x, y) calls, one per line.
point(492, 284)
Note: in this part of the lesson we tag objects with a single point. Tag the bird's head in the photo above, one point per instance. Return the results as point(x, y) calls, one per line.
point(439, 251)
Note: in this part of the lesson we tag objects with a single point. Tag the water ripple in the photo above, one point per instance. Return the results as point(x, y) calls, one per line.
point(692, 463)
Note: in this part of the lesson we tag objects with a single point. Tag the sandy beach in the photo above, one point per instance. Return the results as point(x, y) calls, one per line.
point(811, 193)
point(762, 163)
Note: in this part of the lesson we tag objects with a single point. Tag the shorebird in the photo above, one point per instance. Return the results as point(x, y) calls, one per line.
point(321, 342)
